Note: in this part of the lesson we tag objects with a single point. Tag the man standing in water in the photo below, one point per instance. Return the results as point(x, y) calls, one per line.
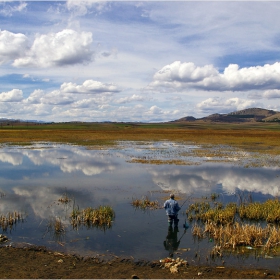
point(172, 208)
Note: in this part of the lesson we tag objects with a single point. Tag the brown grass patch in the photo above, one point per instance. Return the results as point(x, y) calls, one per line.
point(255, 138)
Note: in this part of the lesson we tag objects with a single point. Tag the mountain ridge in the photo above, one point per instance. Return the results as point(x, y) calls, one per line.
point(246, 115)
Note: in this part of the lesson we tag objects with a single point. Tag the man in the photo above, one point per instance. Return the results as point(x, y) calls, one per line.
point(172, 208)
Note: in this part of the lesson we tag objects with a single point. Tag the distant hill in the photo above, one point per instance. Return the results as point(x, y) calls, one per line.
point(247, 115)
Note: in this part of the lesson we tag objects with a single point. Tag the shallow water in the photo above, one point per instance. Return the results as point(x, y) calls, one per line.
point(34, 178)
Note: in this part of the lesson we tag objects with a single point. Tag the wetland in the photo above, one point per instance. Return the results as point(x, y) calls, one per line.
point(96, 191)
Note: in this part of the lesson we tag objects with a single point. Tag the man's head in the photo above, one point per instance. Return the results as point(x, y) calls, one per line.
point(172, 196)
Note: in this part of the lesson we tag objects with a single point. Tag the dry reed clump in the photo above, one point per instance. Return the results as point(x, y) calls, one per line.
point(232, 235)
point(101, 217)
point(268, 211)
point(56, 226)
point(197, 231)
point(145, 203)
point(220, 223)
point(10, 220)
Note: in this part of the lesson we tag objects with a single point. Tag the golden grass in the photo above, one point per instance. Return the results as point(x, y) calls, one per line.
point(145, 203)
point(238, 234)
point(268, 211)
point(158, 161)
point(217, 213)
point(225, 224)
point(256, 138)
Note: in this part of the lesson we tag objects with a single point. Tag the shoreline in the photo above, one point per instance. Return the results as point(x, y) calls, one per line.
point(33, 262)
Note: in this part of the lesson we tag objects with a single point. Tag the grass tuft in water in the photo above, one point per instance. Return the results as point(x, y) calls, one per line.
point(145, 203)
point(268, 211)
point(225, 224)
point(230, 236)
point(100, 217)
point(56, 227)
point(9, 220)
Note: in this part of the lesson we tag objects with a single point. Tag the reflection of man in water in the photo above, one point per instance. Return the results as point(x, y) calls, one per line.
point(172, 208)
point(171, 244)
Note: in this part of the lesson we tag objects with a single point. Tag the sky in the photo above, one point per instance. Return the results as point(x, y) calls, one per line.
point(137, 61)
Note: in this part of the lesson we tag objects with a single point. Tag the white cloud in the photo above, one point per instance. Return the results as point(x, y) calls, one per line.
point(271, 94)
point(54, 97)
point(35, 97)
point(185, 75)
point(82, 7)
point(9, 10)
point(89, 86)
point(155, 110)
point(14, 95)
point(132, 98)
point(219, 105)
point(58, 49)
point(12, 45)
point(67, 95)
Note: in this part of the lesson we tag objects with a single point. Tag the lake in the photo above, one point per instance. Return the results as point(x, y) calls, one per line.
point(34, 178)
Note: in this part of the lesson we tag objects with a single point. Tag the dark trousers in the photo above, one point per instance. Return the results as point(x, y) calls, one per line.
point(172, 218)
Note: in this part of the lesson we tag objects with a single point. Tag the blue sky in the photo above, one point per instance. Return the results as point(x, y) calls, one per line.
point(145, 61)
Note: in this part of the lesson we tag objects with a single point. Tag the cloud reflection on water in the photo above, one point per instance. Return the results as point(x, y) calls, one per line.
point(33, 180)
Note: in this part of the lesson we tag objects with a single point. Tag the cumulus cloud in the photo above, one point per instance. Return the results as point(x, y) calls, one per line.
point(12, 45)
point(155, 110)
point(132, 98)
point(89, 86)
point(15, 95)
point(185, 75)
point(54, 97)
point(67, 95)
point(58, 49)
point(224, 106)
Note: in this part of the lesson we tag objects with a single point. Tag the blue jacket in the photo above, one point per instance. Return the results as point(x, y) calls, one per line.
point(171, 207)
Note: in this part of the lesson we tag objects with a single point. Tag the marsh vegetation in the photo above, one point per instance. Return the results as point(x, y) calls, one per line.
point(10, 220)
point(253, 225)
point(101, 217)
point(258, 137)
point(110, 170)
point(56, 228)
point(145, 203)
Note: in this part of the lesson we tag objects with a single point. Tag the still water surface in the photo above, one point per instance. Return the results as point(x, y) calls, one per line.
point(34, 178)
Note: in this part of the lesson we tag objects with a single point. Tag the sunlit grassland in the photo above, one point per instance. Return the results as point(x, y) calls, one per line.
point(257, 137)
